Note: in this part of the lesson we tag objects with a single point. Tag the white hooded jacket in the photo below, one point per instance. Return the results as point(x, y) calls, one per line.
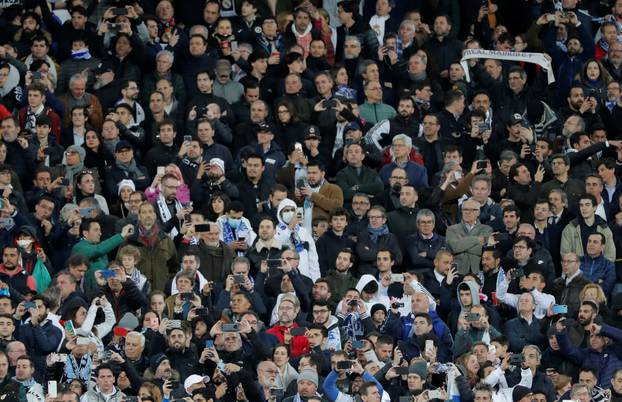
point(301, 240)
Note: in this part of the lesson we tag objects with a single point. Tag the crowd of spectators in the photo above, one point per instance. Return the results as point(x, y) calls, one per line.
point(310, 200)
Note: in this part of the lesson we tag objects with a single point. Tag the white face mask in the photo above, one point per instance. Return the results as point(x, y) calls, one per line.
point(288, 216)
point(24, 243)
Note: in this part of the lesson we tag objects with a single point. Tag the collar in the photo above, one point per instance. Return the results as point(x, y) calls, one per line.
point(439, 277)
point(570, 278)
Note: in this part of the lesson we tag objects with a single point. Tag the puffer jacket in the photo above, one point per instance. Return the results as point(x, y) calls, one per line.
point(93, 395)
point(606, 362)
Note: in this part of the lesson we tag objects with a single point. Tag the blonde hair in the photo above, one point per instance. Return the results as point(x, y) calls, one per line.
point(600, 295)
point(154, 391)
point(129, 250)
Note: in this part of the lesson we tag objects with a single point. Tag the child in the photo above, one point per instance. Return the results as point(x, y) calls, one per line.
point(129, 256)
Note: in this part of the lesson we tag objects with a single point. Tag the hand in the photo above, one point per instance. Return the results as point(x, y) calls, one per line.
point(356, 367)
point(203, 167)
point(193, 113)
point(229, 282)
point(115, 357)
point(232, 368)
point(100, 279)
point(167, 389)
point(539, 176)
point(221, 391)
point(306, 191)
point(319, 107)
point(41, 255)
point(23, 142)
point(127, 231)
point(572, 18)
point(525, 151)
point(263, 267)
point(397, 357)
point(47, 227)
point(207, 289)
point(452, 274)
point(121, 275)
point(204, 355)
point(361, 307)
point(595, 329)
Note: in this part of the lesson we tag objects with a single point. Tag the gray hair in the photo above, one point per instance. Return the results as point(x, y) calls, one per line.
point(484, 178)
point(408, 142)
point(426, 213)
point(76, 77)
point(353, 38)
point(247, 46)
point(508, 155)
point(167, 53)
point(362, 68)
point(561, 193)
point(241, 260)
point(199, 30)
point(92, 202)
point(409, 22)
point(576, 388)
point(138, 335)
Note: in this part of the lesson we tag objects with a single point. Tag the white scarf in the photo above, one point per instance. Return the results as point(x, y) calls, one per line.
point(537, 58)
point(165, 213)
point(202, 283)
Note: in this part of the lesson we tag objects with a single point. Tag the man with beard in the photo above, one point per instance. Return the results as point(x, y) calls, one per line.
point(580, 47)
point(266, 379)
point(288, 307)
point(31, 27)
point(340, 278)
point(213, 182)
point(613, 62)
point(403, 222)
point(158, 255)
point(244, 132)
point(170, 211)
point(182, 358)
point(405, 122)
point(442, 47)
point(164, 151)
point(12, 273)
point(215, 256)
point(430, 145)
point(318, 196)
point(583, 105)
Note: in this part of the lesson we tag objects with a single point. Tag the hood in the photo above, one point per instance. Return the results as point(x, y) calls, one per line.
point(286, 202)
point(27, 229)
point(473, 287)
point(365, 279)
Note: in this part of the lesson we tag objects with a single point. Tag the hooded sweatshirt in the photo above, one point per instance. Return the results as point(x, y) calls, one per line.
point(299, 239)
point(474, 288)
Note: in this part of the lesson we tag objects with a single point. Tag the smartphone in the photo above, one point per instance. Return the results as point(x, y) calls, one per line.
point(353, 303)
point(242, 238)
point(187, 138)
point(64, 182)
point(435, 394)
point(344, 364)
point(82, 341)
point(36, 75)
point(429, 346)
point(160, 171)
point(187, 296)
point(560, 309)
point(113, 27)
point(175, 324)
point(401, 370)
point(239, 279)
point(298, 147)
point(483, 127)
point(202, 228)
point(234, 46)
point(209, 343)
point(174, 384)
point(517, 273)
point(300, 183)
point(201, 311)
point(481, 165)
point(85, 212)
point(517, 359)
point(119, 11)
point(397, 277)
point(106, 355)
point(300, 214)
point(52, 389)
point(108, 273)
point(299, 331)
point(357, 345)
point(58, 357)
point(30, 304)
point(5, 292)
point(472, 317)
point(233, 327)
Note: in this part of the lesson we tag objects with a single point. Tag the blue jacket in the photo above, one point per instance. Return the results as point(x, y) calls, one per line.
point(606, 363)
point(417, 174)
point(599, 270)
point(40, 341)
point(399, 328)
point(330, 384)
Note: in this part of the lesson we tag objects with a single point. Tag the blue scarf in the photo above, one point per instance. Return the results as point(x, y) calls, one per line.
point(376, 233)
point(81, 372)
point(230, 235)
point(26, 384)
point(81, 54)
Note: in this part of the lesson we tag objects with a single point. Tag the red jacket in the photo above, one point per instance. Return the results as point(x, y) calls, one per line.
point(56, 122)
point(298, 345)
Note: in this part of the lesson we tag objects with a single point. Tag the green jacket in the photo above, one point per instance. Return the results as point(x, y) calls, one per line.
point(98, 255)
point(572, 242)
point(375, 112)
point(157, 263)
point(339, 284)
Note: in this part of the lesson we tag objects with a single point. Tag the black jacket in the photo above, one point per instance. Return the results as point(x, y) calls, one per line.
point(366, 35)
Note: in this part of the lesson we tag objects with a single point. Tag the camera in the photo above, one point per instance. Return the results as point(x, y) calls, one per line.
point(517, 359)
point(397, 305)
point(234, 327)
point(472, 317)
point(344, 365)
point(353, 303)
point(517, 273)
point(483, 127)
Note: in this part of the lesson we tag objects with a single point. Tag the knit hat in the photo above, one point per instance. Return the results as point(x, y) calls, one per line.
point(81, 151)
point(125, 183)
point(419, 367)
point(308, 375)
point(377, 307)
point(218, 162)
point(520, 392)
point(156, 360)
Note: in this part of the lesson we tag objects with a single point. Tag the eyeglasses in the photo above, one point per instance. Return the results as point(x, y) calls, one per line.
point(375, 216)
point(569, 261)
